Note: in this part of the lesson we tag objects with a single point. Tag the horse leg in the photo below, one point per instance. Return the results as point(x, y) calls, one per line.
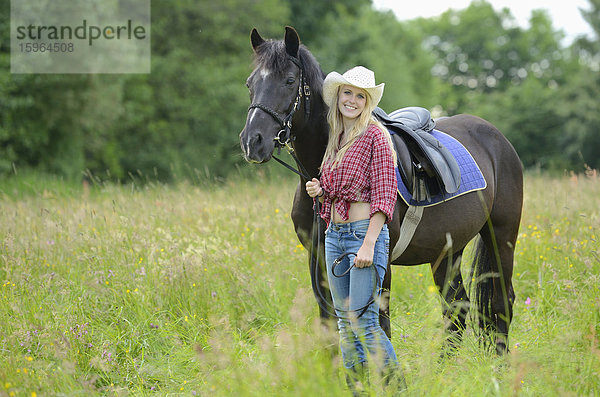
point(455, 307)
point(500, 252)
point(384, 303)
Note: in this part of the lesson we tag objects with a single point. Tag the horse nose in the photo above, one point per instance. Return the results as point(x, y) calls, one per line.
point(251, 144)
point(256, 139)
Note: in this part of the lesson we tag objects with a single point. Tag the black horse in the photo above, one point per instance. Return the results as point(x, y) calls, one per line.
point(287, 108)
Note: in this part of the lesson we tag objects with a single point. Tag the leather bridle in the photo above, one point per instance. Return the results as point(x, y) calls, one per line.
point(284, 136)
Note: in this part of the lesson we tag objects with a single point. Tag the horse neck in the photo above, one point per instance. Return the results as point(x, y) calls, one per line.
point(311, 141)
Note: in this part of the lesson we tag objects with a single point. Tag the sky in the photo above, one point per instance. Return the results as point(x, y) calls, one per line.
point(565, 14)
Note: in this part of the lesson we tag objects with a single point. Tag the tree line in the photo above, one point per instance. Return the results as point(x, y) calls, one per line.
point(184, 118)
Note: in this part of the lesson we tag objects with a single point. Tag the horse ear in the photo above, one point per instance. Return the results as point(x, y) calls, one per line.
point(292, 41)
point(256, 39)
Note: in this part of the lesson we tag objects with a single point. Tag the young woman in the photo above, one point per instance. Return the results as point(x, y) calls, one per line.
point(358, 191)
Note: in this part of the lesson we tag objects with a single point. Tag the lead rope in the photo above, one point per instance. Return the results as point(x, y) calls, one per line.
point(314, 258)
point(315, 268)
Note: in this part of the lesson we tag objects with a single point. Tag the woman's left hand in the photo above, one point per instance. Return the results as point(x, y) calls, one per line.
point(364, 256)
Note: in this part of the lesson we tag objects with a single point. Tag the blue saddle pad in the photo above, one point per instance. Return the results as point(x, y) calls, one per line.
point(471, 178)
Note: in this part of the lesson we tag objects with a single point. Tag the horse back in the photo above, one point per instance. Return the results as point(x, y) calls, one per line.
point(464, 216)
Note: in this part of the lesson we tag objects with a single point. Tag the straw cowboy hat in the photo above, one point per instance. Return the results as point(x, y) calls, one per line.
point(358, 76)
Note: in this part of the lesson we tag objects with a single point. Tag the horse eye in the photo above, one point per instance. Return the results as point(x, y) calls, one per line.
point(291, 81)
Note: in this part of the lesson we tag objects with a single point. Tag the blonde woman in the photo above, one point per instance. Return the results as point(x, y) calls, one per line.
point(357, 190)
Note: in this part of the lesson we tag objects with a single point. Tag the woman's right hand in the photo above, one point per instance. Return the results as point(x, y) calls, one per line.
point(313, 187)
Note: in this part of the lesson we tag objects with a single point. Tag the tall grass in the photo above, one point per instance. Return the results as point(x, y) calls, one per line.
point(204, 290)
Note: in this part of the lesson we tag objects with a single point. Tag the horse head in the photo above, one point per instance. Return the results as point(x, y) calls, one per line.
point(276, 87)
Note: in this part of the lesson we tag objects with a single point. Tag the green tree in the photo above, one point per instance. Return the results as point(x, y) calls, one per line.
point(581, 109)
point(186, 115)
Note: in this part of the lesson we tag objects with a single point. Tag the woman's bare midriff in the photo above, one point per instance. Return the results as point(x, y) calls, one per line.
point(357, 212)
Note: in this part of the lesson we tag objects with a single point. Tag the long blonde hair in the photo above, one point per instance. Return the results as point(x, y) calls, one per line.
point(334, 152)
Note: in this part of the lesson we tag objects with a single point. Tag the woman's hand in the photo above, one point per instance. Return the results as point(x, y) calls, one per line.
point(364, 256)
point(313, 188)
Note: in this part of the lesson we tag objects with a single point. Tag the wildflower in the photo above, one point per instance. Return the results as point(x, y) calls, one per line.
point(528, 301)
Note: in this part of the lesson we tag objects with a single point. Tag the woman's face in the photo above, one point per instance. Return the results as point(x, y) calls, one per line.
point(351, 101)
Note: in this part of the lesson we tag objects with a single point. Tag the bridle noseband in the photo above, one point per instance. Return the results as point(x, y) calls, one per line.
point(284, 136)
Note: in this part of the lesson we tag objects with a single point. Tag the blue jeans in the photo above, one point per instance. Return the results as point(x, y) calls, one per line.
point(351, 292)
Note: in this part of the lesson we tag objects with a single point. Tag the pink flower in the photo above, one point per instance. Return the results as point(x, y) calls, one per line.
point(528, 301)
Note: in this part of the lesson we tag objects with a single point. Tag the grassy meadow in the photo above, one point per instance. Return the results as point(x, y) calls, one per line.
point(204, 290)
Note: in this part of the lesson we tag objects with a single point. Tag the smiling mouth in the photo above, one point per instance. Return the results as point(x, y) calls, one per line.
point(349, 107)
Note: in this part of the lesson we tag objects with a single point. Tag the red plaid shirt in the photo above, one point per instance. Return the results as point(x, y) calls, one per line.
point(365, 173)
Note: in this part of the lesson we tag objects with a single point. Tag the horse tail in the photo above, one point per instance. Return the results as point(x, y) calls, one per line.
point(483, 278)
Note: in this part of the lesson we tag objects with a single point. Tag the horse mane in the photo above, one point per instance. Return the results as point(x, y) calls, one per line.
point(271, 55)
